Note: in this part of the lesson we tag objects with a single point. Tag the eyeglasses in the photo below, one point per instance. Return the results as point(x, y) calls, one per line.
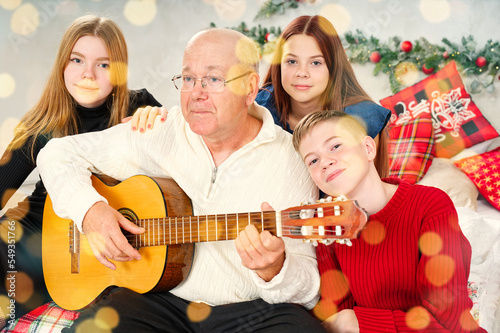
point(211, 84)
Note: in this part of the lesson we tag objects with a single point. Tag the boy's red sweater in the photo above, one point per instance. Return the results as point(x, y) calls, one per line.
point(406, 272)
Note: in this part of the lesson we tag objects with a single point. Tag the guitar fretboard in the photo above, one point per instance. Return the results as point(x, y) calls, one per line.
point(198, 229)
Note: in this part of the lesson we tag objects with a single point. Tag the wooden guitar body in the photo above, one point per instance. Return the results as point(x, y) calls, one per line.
point(68, 262)
point(75, 278)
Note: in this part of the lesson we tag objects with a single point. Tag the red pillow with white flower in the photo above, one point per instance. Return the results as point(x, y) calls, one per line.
point(457, 122)
point(484, 171)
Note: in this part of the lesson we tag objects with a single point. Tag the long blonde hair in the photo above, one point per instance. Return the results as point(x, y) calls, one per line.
point(54, 115)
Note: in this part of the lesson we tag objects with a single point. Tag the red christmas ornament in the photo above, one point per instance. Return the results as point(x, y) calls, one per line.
point(446, 55)
point(427, 70)
point(406, 46)
point(481, 61)
point(375, 57)
point(267, 36)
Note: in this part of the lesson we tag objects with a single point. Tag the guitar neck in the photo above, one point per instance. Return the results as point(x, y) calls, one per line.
point(198, 229)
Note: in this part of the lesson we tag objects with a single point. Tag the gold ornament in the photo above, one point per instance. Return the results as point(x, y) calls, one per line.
point(406, 73)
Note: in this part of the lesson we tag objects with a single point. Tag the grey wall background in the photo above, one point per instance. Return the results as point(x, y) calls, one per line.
point(157, 31)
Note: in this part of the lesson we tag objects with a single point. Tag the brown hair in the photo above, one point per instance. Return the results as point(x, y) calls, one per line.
point(54, 114)
point(343, 88)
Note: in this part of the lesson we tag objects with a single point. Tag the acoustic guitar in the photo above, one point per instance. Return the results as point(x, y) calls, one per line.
point(75, 278)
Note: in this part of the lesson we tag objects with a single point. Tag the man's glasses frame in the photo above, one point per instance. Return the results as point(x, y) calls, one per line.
point(210, 83)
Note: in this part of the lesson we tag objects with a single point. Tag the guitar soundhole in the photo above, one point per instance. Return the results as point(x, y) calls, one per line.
point(131, 216)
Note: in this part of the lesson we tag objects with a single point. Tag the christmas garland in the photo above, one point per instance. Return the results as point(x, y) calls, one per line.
point(272, 7)
point(397, 58)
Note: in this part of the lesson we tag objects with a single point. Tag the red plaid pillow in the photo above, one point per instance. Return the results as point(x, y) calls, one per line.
point(458, 123)
point(484, 171)
point(410, 148)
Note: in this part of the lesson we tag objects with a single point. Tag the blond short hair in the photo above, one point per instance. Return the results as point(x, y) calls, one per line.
point(354, 124)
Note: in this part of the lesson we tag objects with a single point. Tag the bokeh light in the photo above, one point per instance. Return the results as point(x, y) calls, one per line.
point(140, 12)
point(34, 244)
point(238, 86)
point(467, 322)
point(107, 318)
point(10, 198)
point(7, 85)
point(87, 250)
point(324, 309)
point(440, 269)
point(338, 15)
point(25, 20)
point(90, 325)
point(197, 312)
point(406, 73)
point(10, 4)
point(417, 318)
point(247, 51)
point(7, 132)
point(430, 243)
point(11, 230)
point(374, 233)
point(23, 286)
point(230, 9)
point(120, 71)
point(435, 11)
point(341, 285)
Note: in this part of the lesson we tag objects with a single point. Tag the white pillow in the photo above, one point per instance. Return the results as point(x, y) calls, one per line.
point(444, 175)
point(480, 148)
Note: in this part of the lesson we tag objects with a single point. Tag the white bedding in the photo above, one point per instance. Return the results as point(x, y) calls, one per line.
point(483, 233)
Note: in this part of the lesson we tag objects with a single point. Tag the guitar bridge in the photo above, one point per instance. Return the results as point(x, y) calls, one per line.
point(74, 247)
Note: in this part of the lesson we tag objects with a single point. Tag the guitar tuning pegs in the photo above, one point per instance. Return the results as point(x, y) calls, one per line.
point(344, 241)
point(311, 241)
point(323, 200)
point(327, 241)
point(341, 198)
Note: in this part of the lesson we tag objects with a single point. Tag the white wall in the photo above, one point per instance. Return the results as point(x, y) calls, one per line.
point(155, 48)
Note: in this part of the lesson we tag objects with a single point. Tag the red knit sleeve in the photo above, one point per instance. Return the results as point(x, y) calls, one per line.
point(335, 293)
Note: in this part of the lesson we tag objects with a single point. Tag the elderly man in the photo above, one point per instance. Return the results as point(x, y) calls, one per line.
point(226, 153)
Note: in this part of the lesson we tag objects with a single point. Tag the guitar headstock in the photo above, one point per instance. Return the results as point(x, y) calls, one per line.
point(324, 221)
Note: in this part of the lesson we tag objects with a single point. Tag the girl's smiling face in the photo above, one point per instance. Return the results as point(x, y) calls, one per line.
point(304, 73)
point(87, 74)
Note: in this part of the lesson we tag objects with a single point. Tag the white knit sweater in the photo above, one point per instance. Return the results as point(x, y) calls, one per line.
point(266, 169)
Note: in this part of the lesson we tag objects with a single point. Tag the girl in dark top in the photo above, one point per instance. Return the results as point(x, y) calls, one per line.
point(86, 91)
point(310, 72)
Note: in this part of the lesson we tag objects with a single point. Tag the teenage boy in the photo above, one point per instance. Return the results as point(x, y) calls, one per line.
point(408, 270)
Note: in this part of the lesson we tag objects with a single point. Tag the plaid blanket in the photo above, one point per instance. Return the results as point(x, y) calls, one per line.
point(46, 318)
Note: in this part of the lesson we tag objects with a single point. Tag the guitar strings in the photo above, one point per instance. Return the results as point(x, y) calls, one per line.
point(183, 229)
point(207, 229)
